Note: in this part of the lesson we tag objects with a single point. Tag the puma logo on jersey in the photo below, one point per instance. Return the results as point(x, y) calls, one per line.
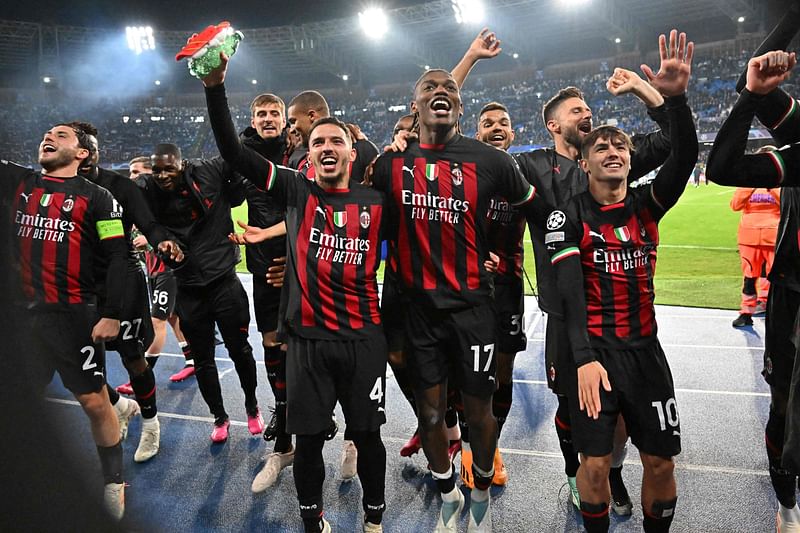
point(598, 235)
point(25, 196)
point(409, 170)
point(319, 209)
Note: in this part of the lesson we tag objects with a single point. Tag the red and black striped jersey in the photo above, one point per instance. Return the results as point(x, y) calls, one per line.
point(505, 230)
point(617, 247)
point(438, 198)
point(62, 227)
point(333, 250)
point(605, 255)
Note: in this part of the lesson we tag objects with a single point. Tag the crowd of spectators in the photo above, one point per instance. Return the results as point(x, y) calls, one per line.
point(128, 129)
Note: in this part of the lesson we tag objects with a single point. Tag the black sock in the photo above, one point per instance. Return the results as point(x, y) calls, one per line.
point(186, 349)
point(501, 404)
point(144, 389)
point(275, 362)
point(446, 485)
point(783, 481)
point(113, 395)
point(151, 360)
point(595, 517)
point(659, 518)
point(111, 462)
point(618, 490)
point(309, 475)
point(564, 432)
point(482, 482)
point(313, 524)
point(283, 441)
point(372, 473)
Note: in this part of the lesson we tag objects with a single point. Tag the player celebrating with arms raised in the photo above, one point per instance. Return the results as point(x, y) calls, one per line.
point(603, 246)
point(438, 192)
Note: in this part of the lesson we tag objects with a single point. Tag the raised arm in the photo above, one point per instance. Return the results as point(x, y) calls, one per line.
point(727, 162)
point(672, 81)
point(485, 46)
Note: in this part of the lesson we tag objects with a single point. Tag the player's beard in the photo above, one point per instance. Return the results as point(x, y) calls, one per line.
point(573, 137)
point(63, 158)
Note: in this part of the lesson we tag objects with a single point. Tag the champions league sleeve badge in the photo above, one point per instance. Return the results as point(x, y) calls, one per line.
point(202, 49)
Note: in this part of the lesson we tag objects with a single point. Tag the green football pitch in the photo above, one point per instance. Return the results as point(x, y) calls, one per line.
point(698, 262)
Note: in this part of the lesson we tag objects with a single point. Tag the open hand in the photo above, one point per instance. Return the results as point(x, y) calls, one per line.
point(673, 75)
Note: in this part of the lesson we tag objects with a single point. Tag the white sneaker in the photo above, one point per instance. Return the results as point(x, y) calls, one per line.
point(114, 499)
point(369, 527)
point(485, 515)
point(272, 467)
point(448, 516)
point(349, 460)
point(149, 440)
point(326, 527)
point(125, 409)
point(788, 520)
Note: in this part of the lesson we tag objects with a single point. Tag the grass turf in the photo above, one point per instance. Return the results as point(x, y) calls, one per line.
point(698, 262)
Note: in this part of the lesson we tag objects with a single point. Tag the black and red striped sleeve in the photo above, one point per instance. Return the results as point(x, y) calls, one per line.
point(563, 240)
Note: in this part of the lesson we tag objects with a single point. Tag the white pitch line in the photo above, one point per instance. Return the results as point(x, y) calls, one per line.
point(688, 391)
point(532, 326)
point(505, 451)
point(703, 346)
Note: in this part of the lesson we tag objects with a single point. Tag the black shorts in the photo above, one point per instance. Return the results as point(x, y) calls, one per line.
point(557, 359)
point(452, 342)
point(779, 350)
point(509, 302)
point(392, 314)
point(164, 291)
point(321, 372)
point(135, 327)
point(266, 301)
point(64, 345)
point(643, 392)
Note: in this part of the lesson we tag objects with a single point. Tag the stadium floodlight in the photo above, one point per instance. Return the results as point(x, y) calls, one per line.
point(468, 11)
point(140, 38)
point(345, 77)
point(373, 22)
point(427, 67)
point(254, 82)
point(740, 19)
point(515, 55)
point(617, 40)
point(157, 82)
point(47, 79)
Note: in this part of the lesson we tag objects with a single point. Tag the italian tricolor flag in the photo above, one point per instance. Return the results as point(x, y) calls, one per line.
point(340, 218)
point(622, 234)
point(431, 171)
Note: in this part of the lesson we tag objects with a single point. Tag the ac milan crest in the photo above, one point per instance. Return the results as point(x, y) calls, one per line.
point(69, 203)
point(458, 177)
point(364, 219)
